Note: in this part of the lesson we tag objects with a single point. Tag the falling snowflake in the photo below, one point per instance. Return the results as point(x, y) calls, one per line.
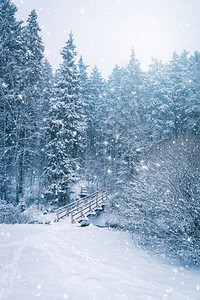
point(82, 10)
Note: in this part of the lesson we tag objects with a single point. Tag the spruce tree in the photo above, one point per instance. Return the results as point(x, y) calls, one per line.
point(44, 109)
point(11, 64)
point(192, 82)
point(96, 113)
point(84, 80)
point(130, 112)
point(28, 142)
point(85, 98)
point(115, 94)
point(66, 128)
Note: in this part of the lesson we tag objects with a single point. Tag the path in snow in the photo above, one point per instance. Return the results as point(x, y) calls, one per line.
point(62, 261)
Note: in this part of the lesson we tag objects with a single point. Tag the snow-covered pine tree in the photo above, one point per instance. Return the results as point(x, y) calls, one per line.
point(85, 98)
point(114, 96)
point(11, 64)
point(156, 96)
point(84, 79)
point(177, 92)
point(170, 92)
point(129, 126)
point(66, 130)
point(192, 84)
point(46, 96)
point(130, 121)
point(96, 112)
point(28, 142)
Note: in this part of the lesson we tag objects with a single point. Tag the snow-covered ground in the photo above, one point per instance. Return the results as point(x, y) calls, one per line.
point(62, 261)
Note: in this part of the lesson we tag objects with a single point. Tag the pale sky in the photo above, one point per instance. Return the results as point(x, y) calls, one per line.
point(106, 30)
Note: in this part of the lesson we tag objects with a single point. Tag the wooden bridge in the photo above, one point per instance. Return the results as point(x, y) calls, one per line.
point(79, 210)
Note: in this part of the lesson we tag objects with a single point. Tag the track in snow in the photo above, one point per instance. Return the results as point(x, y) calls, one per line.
point(62, 261)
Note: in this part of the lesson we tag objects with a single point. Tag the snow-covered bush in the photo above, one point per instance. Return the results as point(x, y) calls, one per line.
point(161, 204)
point(10, 214)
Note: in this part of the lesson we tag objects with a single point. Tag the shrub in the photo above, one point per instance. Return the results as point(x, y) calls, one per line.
point(10, 214)
point(161, 204)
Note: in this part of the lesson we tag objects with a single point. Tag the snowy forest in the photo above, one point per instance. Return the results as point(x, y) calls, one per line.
point(135, 134)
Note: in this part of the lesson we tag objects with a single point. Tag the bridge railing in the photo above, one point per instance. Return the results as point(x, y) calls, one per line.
point(86, 191)
point(80, 209)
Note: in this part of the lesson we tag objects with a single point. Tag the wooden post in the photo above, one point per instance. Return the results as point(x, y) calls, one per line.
point(97, 204)
point(57, 215)
point(90, 207)
point(77, 205)
point(67, 210)
point(82, 215)
point(72, 218)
